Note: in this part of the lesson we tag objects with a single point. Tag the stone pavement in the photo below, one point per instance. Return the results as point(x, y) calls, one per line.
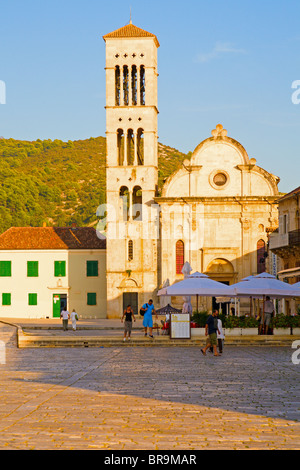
point(148, 398)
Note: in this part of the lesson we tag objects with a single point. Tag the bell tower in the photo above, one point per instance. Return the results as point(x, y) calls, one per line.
point(131, 167)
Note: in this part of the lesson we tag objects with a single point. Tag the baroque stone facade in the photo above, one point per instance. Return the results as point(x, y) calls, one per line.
point(215, 212)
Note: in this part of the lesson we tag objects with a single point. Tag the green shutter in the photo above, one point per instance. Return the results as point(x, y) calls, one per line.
point(92, 298)
point(92, 268)
point(6, 299)
point(32, 268)
point(5, 268)
point(32, 299)
point(59, 268)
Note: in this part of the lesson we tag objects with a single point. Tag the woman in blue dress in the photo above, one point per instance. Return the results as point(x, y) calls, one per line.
point(147, 321)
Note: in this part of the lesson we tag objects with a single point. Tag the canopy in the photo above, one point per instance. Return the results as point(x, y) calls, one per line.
point(297, 285)
point(167, 310)
point(265, 285)
point(198, 284)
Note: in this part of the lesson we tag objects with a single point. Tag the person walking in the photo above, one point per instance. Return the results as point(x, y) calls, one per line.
point(149, 310)
point(267, 315)
point(220, 336)
point(129, 315)
point(74, 318)
point(65, 317)
point(211, 329)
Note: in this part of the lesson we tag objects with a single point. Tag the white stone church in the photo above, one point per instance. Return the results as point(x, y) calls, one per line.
point(215, 212)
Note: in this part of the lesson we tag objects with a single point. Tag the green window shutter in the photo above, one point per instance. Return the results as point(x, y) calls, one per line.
point(32, 299)
point(6, 299)
point(92, 298)
point(92, 268)
point(59, 268)
point(32, 268)
point(5, 268)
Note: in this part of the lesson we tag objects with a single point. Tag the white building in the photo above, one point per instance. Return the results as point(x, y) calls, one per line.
point(43, 269)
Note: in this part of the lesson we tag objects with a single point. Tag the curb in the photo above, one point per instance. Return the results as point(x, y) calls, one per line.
point(39, 341)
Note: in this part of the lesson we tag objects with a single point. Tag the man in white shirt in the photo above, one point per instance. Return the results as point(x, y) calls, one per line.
point(266, 317)
point(65, 317)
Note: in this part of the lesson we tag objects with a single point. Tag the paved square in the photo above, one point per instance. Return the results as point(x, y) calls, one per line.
point(148, 398)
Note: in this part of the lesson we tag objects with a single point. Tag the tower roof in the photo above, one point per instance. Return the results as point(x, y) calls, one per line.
point(130, 31)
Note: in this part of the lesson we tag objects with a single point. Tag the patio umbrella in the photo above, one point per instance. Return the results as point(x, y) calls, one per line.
point(297, 285)
point(167, 310)
point(198, 284)
point(263, 285)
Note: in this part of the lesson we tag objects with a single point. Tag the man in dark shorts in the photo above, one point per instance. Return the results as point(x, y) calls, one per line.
point(129, 315)
point(211, 329)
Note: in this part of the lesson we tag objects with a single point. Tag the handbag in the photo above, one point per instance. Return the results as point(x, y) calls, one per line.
point(142, 313)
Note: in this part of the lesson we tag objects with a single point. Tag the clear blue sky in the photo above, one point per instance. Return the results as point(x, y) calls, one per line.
point(230, 62)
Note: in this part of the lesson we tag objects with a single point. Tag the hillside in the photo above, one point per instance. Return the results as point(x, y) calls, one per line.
point(59, 183)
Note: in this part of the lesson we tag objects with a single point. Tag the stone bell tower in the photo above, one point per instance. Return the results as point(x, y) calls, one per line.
point(131, 167)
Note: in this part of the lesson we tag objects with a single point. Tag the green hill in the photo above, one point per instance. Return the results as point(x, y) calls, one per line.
point(59, 183)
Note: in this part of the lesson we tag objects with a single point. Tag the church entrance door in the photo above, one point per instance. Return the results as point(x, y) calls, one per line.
point(131, 298)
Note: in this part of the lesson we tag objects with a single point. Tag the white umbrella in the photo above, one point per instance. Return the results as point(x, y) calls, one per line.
point(265, 284)
point(200, 285)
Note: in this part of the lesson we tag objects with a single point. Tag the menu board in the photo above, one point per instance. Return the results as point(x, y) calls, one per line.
point(180, 326)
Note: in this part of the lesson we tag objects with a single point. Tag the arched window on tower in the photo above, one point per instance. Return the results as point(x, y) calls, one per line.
point(124, 198)
point(130, 147)
point(130, 250)
point(261, 260)
point(134, 85)
point(120, 146)
point(137, 200)
point(125, 85)
point(140, 146)
point(179, 256)
point(117, 85)
point(142, 85)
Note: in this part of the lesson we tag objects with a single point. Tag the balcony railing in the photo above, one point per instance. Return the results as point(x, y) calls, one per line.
point(294, 237)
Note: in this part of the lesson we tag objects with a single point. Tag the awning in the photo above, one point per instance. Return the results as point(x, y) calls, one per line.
point(292, 272)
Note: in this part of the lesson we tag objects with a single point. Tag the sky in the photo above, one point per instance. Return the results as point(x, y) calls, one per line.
point(233, 63)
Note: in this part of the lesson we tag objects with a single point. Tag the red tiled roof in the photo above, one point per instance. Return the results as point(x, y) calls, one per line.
point(130, 31)
point(51, 238)
point(290, 194)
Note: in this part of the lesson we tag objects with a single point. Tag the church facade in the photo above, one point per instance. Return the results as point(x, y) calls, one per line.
point(215, 212)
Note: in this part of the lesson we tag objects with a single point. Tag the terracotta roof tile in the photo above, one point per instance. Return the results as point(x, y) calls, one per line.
point(130, 31)
point(50, 238)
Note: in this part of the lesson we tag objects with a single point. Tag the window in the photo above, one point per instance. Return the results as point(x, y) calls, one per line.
point(120, 146)
point(137, 200)
point(140, 146)
point(142, 85)
point(5, 268)
point(117, 85)
point(179, 256)
point(261, 260)
point(92, 268)
point(220, 179)
point(32, 299)
point(124, 198)
point(32, 268)
point(59, 268)
point(125, 85)
point(130, 147)
point(130, 250)
point(6, 299)
point(134, 85)
point(92, 298)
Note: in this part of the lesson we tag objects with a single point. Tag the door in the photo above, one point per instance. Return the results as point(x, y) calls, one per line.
point(131, 298)
point(56, 305)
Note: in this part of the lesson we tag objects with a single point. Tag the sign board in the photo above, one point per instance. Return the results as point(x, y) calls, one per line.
point(180, 327)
